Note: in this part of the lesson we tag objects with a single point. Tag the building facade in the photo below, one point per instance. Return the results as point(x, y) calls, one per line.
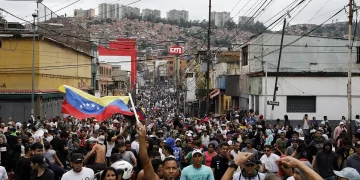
point(55, 64)
point(117, 11)
point(106, 10)
point(312, 78)
point(154, 13)
point(84, 13)
point(106, 81)
point(177, 15)
point(220, 18)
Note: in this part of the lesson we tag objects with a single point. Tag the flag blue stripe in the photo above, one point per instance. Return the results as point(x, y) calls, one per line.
point(83, 105)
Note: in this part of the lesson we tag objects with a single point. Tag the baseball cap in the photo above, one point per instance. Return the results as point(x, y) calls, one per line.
point(40, 160)
point(77, 157)
point(348, 173)
point(101, 139)
point(196, 151)
point(251, 162)
point(341, 123)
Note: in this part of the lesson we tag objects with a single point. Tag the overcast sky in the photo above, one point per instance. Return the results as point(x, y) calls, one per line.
point(316, 12)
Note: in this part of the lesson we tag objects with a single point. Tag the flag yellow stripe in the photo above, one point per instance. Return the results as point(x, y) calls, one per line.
point(104, 101)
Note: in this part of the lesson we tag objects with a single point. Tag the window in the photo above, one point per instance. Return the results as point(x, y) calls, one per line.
point(245, 55)
point(171, 69)
point(357, 54)
point(170, 62)
point(301, 104)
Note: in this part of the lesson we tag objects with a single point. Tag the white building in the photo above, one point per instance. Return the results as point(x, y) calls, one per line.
point(151, 13)
point(117, 11)
point(312, 78)
point(220, 18)
point(105, 10)
point(125, 11)
point(177, 15)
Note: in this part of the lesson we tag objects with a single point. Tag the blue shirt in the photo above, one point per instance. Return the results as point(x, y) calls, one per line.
point(191, 173)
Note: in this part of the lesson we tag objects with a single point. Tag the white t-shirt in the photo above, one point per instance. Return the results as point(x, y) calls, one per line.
point(236, 176)
point(135, 146)
point(86, 173)
point(306, 124)
point(3, 173)
point(270, 162)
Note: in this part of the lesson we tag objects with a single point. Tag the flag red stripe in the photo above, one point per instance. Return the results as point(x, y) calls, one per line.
point(107, 113)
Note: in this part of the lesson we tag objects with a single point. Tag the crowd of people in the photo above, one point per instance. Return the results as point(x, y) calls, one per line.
point(239, 145)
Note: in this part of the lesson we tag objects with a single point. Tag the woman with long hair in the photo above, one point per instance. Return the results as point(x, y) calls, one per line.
point(209, 154)
point(109, 174)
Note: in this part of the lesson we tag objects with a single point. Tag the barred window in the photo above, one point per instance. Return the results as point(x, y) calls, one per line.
point(303, 104)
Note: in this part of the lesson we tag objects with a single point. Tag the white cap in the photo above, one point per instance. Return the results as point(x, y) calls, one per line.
point(101, 139)
point(196, 151)
point(348, 173)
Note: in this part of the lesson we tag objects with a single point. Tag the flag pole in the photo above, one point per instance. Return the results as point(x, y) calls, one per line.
point(133, 106)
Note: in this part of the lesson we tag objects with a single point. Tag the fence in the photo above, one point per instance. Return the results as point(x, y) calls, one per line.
point(69, 33)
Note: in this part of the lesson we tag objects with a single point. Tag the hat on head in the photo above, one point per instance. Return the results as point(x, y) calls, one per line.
point(101, 139)
point(251, 162)
point(77, 157)
point(341, 123)
point(196, 151)
point(348, 173)
point(40, 160)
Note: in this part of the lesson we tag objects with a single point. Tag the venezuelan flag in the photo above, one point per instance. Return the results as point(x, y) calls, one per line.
point(141, 113)
point(83, 105)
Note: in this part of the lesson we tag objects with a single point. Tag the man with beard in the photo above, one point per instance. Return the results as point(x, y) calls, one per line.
point(78, 171)
point(318, 140)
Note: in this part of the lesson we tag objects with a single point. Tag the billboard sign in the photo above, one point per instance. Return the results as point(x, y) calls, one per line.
point(176, 50)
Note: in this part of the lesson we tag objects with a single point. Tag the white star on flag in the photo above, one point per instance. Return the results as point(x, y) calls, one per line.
point(97, 108)
point(87, 104)
point(93, 105)
point(81, 106)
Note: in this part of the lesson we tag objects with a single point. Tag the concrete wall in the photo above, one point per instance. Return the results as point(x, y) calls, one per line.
point(310, 54)
point(330, 92)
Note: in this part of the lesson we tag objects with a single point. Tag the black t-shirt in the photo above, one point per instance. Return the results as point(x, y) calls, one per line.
point(308, 153)
point(47, 175)
point(220, 165)
point(22, 169)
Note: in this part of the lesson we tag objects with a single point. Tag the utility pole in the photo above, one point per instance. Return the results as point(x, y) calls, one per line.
point(34, 15)
point(350, 66)
point(208, 63)
point(278, 68)
point(176, 76)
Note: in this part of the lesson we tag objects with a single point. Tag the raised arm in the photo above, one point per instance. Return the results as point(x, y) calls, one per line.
point(149, 172)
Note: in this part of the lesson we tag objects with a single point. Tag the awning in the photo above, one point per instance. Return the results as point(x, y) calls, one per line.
point(214, 93)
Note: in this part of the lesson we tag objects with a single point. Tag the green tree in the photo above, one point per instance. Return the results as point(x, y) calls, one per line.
point(230, 25)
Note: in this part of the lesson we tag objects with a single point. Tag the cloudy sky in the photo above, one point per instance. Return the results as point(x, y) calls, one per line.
point(315, 12)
